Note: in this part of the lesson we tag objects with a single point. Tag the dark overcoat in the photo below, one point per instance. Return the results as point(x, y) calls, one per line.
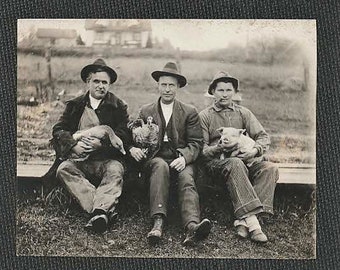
point(112, 111)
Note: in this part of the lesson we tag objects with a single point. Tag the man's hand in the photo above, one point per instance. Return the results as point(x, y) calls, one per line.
point(178, 164)
point(93, 142)
point(248, 155)
point(81, 149)
point(137, 153)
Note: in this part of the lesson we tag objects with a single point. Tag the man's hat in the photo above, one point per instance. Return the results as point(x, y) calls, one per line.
point(170, 69)
point(98, 65)
point(222, 76)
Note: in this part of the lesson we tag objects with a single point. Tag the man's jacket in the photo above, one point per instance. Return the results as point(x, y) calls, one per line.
point(185, 133)
point(112, 111)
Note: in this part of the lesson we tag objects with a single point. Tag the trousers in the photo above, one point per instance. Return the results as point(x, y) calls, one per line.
point(161, 178)
point(251, 189)
point(94, 184)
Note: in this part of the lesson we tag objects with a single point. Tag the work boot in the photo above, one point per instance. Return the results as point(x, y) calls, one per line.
point(255, 230)
point(155, 235)
point(258, 236)
point(242, 231)
point(241, 228)
point(97, 223)
point(197, 231)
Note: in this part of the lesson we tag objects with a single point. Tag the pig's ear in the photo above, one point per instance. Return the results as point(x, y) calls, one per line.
point(220, 130)
point(243, 131)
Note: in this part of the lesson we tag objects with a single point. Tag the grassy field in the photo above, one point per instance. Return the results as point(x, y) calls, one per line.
point(273, 93)
point(57, 229)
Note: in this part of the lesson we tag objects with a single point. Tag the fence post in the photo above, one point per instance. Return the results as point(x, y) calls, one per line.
point(50, 86)
point(178, 59)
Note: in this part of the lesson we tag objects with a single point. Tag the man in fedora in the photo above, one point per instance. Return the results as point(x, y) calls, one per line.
point(96, 182)
point(172, 164)
point(251, 187)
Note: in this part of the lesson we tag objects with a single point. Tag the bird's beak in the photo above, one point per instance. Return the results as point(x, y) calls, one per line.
point(122, 150)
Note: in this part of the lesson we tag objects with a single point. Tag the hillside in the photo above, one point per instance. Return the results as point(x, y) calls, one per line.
point(275, 94)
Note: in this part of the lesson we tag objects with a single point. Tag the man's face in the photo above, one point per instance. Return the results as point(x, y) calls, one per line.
point(167, 86)
point(99, 84)
point(223, 94)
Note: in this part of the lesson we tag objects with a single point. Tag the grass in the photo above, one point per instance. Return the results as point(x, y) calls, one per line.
point(269, 91)
point(286, 112)
point(290, 127)
point(58, 229)
point(138, 70)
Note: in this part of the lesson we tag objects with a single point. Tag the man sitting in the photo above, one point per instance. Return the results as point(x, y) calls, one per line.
point(251, 188)
point(95, 181)
point(179, 144)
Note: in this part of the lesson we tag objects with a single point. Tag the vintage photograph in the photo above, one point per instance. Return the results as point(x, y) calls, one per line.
point(166, 138)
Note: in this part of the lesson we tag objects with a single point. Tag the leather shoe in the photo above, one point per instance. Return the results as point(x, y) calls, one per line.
point(242, 231)
point(155, 235)
point(197, 232)
point(98, 223)
point(258, 236)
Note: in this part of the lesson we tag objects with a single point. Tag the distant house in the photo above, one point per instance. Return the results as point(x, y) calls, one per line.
point(120, 33)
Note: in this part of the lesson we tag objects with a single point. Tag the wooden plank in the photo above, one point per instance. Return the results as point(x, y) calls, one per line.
point(289, 173)
point(295, 165)
point(297, 176)
point(32, 170)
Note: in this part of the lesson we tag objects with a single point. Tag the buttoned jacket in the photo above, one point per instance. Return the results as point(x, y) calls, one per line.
point(186, 133)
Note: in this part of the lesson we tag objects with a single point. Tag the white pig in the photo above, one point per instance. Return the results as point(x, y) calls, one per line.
point(234, 136)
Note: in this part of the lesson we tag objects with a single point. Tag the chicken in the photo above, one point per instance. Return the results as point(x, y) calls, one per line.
point(145, 136)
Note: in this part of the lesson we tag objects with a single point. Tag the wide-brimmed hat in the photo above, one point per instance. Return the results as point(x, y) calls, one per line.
point(170, 69)
point(97, 65)
point(222, 76)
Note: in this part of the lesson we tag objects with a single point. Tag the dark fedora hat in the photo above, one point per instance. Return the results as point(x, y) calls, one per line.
point(97, 66)
point(170, 69)
point(222, 76)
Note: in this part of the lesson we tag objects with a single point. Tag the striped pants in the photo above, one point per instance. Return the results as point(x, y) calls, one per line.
point(251, 189)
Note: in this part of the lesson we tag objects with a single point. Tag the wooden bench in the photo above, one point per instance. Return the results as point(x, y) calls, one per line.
point(289, 173)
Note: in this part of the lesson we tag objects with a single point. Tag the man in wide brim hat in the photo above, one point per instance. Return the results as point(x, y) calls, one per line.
point(250, 178)
point(78, 160)
point(170, 69)
point(178, 144)
point(98, 65)
point(222, 76)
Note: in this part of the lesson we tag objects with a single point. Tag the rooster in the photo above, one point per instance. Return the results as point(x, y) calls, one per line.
point(145, 136)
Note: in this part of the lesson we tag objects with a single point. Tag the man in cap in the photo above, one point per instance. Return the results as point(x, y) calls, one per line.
point(179, 144)
point(96, 182)
point(251, 187)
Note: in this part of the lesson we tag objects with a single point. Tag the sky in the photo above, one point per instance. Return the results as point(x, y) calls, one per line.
point(197, 35)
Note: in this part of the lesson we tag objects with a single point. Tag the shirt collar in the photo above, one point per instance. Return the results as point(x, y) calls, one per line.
point(218, 109)
point(166, 105)
point(94, 103)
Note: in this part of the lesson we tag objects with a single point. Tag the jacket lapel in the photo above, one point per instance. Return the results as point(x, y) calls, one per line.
point(176, 120)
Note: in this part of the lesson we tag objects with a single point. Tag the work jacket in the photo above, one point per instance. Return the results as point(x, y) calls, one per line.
point(112, 111)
